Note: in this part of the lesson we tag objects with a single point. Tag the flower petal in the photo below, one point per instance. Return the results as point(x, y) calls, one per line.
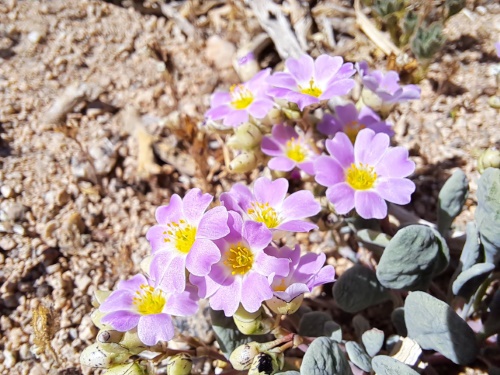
point(282, 133)
point(155, 328)
point(272, 192)
point(370, 205)
point(297, 226)
point(171, 212)
point(134, 283)
point(341, 148)
point(325, 67)
point(302, 68)
point(168, 271)
point(271, 147)
point(257, 235)
point(227, 298)
point(236, 118)
point(342, 197)
point(238, 198)
point(122, 321)
point(370, 147)
point(213, 224)
point(329, 125)
point(257, 290)
point(260, 108)
point(325, 275)
point(283, 80)
point(194, 205)
point(395, 190)
point(217, 113)
point(202, 256)
point(183, 304)
point(299, 205)
point(266, 265)
point(341, 87)
point(118, 300)
point(395, 163)
point(328, 171)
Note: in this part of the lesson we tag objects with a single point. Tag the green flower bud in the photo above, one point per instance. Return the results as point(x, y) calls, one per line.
point(109, 336)
point(132, 342)
point(244, 162)
point(246, 137)
point(488, 159)
point(127, 369)
point(241, 358)
point(279, 306)
point(96, 355)
point(96, 317)
point(179, 364)
point(257, 323)
point(494, 101)
point(274, 116)
point(266, 363)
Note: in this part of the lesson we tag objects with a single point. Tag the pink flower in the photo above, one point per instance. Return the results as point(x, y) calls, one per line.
point(307, 81)
point(348, 120)
point(364, 175)
point(244, 100)
point(289, 149)
point(241, 276)
point(183, 238)
point(138, 303)
point(497, 46)
point(267, 204)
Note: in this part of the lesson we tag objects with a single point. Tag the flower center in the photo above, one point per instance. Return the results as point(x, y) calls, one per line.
point(239, 259)
point(181, 234)
point(264, 213)
point(361, 177)
point(352, 129)
point(312, 90)
point(149, 301)
point(241, 97)
point(295, 151)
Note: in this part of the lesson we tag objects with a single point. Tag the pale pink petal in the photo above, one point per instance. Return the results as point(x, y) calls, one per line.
point(296, 226)
point(266, 265)
point(328, 171)
point(156, 237)
point(227, 298)
point(134, 283)
point(220, 98)
point(342, 197)
point(281, 163)
point(284, 80)
point(238, 198)
point(341, 148)
point(370, 205)
point(119, 300)
point(202, 256)
point(329, 125)
point(283, 133)
point(183, 304)
point(155, 328)
point(271, 147)
point(326, 67)
point(194, 205)
point(395, 163)
point(256, 234)
point(260, 108)
point(169, 271)
point(302, 100)
point(346, 113)
point(299, 205)
point(213, 224)
point(302, 68)
point(272, 192)
point(293, 291)
point(257, 290)
point(325, 275)
point(341, 87)
point(370, 147)
point(219, 112)
point(236, 118)
point(395, 190)
point(170, 213)
point(122, 321)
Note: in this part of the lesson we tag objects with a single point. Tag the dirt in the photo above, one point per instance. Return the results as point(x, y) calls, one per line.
point(80, 185)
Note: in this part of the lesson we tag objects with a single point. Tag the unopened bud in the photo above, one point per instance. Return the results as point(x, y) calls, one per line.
point(274, 116)
point(96, 317)
point(488, 159)
point(266, 364)
point(241, 358)
point(244, 162)
point(257, 323)
point(279, 306)
point(109, 336)
point(292, 113)
point(132, 342)
point(179, 364)
point(97, 356)
point(246, 137)
point(127, 369)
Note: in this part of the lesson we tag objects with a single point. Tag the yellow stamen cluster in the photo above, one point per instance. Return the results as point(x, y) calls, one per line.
point(352, 129)
point(241, 97)
point(148, 300)
point(312, 90)
point(264, 213)
point(181, 234)
point(295, 150)
point(239, 259)
point(360, 177)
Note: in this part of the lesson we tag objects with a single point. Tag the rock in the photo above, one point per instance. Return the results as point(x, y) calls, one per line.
point(7, 243)
point(6, 191)
point(35, 37)
point(220, 52)
point(10, 359)
point(82, 282)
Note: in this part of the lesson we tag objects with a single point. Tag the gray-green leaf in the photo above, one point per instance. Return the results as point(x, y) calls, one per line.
point(312, 324)
point(413, 257)
point(434, 325)
point(373, 340)
point(357, 289)
point(398, 319)
point(324, 357)
point(332, 330)
point(358, 356)
point(469, 280)
point(451, 199)
point(385, 365)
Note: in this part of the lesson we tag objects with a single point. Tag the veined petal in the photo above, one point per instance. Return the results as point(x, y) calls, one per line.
point(170, 213)
point(194, 205)
point(118, 300)
point(302, 68)
point(155, 328)
point(122, 321)
point(133, 283)
point(213, 224)
point(370, 205)
point(342, 197)
point(272, 192)
point(395, 190)
point(257, 290)
point(168, 271)
point(299, 205)
point(370, 147)
point(202, 256)
point(328, 171)
point(341, 148)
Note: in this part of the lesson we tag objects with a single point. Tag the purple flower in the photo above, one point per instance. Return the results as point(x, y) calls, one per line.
point(241, 276)
point(348, 120)
point(289, 149)
point(137, 303)
point(249, 98)
point(365, 175)
point(267, 204)
point(385, 87)
point(307, 81)
point(304, 273)
point(183, 238)
point(497, 46)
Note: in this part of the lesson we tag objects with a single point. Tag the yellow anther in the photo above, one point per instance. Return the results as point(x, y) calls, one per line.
point(360, 177)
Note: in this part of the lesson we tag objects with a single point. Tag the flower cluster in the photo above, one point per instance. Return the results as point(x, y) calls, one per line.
point(224, 254)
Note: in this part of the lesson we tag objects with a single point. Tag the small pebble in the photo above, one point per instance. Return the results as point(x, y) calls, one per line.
point(6, 191)
point(7, 243)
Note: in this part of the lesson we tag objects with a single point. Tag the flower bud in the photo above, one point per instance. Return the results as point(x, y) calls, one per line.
point(267, 363)
point(97, 356)
point(132, 342)
point(109, 336)
point(99, 297)
point(274, 116)
point(96, 317)
point(244, 162)
point(127, 369)
point(246, 137)
point(488, 159)
point(179, 364)
point(279, 306)
point(257, 323)
point(241, 358)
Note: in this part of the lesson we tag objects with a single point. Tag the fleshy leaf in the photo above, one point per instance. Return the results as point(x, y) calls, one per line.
point(413, 257)
point(332, 330)
point(398, 319)
point(312, 324)
point(469, 280)
point(385, 365)
point(472, 252)
point(288, 373)
point(358, 356)
point(434, 325)
point(487, 213)
point(357, 289)
point(374, 239)
point(373, 340)
point(451, 199)
point(324, 357)
point(492, 323)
